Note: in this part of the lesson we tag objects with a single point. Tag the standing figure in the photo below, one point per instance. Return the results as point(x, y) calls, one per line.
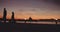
point(4, 15)
point(30, 19)
point(12, 18)
point(56, 20)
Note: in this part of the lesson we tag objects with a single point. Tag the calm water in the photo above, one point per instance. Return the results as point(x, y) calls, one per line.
point(36, 22)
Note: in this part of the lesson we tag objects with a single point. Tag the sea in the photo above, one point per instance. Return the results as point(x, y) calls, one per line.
point(36, 22)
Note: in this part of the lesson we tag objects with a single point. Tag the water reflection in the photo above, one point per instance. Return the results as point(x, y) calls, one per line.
point(36, 22)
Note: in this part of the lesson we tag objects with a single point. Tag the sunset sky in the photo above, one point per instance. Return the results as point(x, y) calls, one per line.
point(37, 9)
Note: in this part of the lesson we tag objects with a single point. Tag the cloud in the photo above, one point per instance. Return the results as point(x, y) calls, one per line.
point(57, 2)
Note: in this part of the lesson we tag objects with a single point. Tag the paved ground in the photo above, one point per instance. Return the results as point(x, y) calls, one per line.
point(29, 28)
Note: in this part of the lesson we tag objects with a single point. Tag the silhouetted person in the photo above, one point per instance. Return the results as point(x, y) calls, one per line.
point(25, 21)
point(56, 21)
point(4, 15)
point(0, 22)
point(30, 19)
point(12, 18)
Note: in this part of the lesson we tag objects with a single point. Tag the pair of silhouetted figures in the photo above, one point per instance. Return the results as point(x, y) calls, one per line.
point(5, 14)
point(12, 17)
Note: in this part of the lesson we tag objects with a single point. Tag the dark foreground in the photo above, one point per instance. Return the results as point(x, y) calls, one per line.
point(29, 28)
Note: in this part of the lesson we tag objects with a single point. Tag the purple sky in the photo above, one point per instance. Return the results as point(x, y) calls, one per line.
point(33, 8)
